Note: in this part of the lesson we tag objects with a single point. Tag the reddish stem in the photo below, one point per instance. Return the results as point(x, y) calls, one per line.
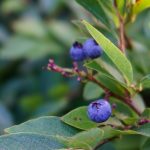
point(82, 74)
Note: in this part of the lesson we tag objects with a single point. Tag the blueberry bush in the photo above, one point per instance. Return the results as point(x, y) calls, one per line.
point(111, 59)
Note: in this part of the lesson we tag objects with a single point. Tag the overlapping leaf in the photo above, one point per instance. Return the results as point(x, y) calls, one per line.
point(117, 57)
point(45, 126)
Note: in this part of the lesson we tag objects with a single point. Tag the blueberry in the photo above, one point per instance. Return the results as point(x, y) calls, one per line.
point(99, 111)
point(92, 49)
point(76, 52)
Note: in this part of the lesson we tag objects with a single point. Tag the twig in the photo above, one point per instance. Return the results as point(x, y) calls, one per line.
point(82, 74)
point(129, 101)
point(122, 43)
point(126, 99)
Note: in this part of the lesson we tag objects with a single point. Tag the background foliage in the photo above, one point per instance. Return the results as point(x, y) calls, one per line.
point(30, 33)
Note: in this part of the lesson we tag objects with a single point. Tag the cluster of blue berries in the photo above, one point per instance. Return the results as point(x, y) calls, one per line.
point(89, 49)
point(99, 111)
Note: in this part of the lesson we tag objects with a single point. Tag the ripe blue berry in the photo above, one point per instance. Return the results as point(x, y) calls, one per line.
point(76, 52)
point(92, 49)
point(99, 111)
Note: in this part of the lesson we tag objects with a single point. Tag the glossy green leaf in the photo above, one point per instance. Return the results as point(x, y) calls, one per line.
point(78, 118)
point(112, 78)
point(112, 84)
point(29, 141)
point(45, 126)
point(140, 5)
point(92, 91)
point(117, 57)
point(96, 9)
point(101, 65)
point(93, 136)
point(86, 139)
point(122, 108)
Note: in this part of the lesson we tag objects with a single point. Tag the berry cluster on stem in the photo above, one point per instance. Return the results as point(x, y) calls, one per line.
point(78, 52)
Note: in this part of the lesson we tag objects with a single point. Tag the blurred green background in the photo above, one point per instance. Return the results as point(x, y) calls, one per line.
point(31, 32)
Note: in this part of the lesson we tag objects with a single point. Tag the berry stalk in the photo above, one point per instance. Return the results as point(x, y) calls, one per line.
point(84, 75)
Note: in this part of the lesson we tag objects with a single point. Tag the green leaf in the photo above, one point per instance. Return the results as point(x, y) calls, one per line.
point(144, 130)
point(112, 121)
point(117, 57)
point(138, 102)
point(78, 118)
point(145, 82)
point(130, 120)
point(96, 9)
point(29, 141)
point(107, 146)
point(128, 142)
point(140, 5)
point(45, 126)
point(112, 84)
point(122, 108)
point(109, 76)
point(92, 91)
point(86, 139)
point(102, 65)
point(146, 113)
point(110, 132)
